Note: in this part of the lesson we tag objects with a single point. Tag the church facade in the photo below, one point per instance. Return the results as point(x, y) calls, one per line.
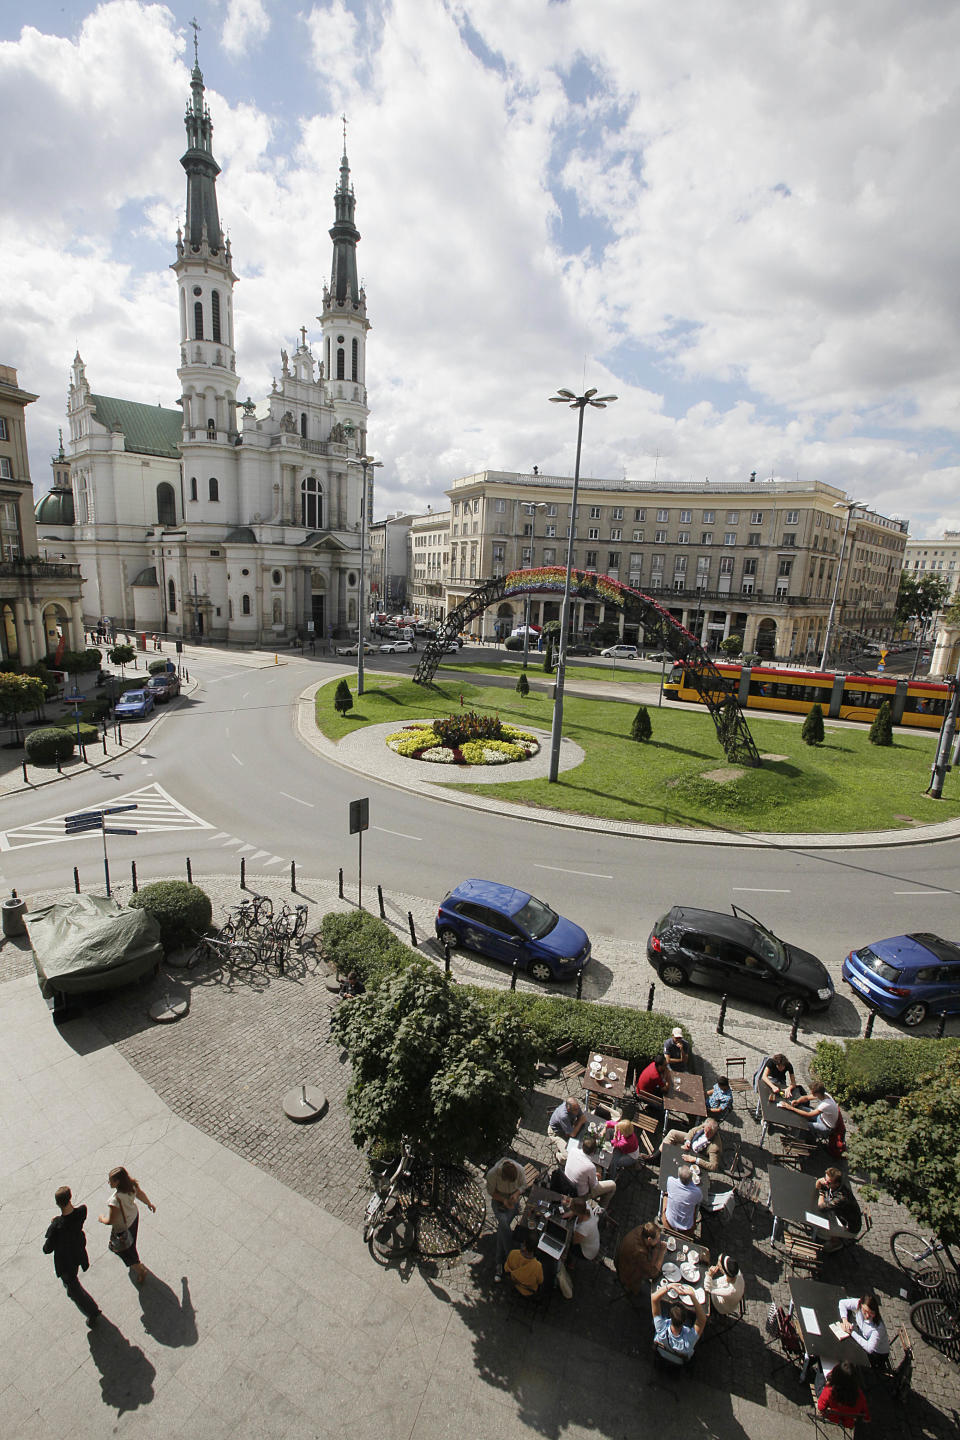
point(211, 519)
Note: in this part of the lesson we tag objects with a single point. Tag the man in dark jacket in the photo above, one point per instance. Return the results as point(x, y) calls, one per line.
point(67, 1243)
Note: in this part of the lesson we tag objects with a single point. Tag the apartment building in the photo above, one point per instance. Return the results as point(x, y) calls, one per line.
point(388, 563)
point(429, 560)
point(940, 556)
point(755, 558)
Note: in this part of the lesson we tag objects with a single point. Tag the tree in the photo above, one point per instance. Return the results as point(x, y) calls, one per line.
point(921, 596)
point(951, 613)
point(121, 655)
point(342, 700)
point(732, 645)
point(432, 1065)
point(17, 694)
point(881, 731)
point(912, 1149)
point(641, 728)
point(523, 685)
point(812, 732)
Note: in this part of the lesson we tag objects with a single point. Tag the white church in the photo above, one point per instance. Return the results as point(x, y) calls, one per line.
point(211, 520)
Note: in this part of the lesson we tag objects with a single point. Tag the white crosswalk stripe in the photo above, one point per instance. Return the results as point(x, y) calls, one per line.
point(156, 812)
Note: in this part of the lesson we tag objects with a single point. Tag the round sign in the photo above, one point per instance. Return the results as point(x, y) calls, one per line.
point(880, 668)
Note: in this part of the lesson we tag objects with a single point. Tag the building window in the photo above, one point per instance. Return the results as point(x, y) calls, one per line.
point(594, 512)
point(733, 517)
point(591, 560)
point(341, 373)
point(198, 321)
point(193, 487)
point(660, 537)
point(303, 424)
point(213, 488)
point(730, 537)
point(785, 567)
point(550, 531)
point(638, 537)
point(244, 604)
point(6, 469)
point(527, 555)
point(354, 358)
point(593, 534)
point(551, 509)
point(679, 564)
point(756, 517)
point(750, 567)
point(683, 537)
point(792, 517)
point(277, 577)
point(171, 597)
point(528, 530)
point(617, 513)
point(613, 559)
point(215, 314)
point(616, 534)
point(550, 556)
point(166, 505)
point(211, 429)
point(10, 548)
point(708, 517)
point(753, 539)
point(663, 515)
point(790, 539)
point(640, 515)
point(4, 428)
point(726, 564)
point(499, 507)
point(706, 537)
point(684, 517)
point(703, 571)
point(311, 504)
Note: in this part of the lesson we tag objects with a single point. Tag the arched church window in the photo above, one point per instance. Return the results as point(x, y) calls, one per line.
point(166, 504)
point(211, 429)
point(311, 504)
point(198, 321)
point(341, 375)
point(215, 311)
point(303, 424)
point(214, 488)
point(171, 597)
point(245, 604)
point(193, 487)
point(355, 358)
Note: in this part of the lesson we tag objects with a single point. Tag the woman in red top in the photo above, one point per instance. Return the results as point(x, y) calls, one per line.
point(839, 1397)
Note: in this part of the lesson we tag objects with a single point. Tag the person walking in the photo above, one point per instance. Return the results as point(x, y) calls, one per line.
point(67, 1243)
point(123, 1217)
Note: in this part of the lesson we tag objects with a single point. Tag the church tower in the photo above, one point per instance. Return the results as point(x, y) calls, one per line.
point(208, 364)
point(344, 319)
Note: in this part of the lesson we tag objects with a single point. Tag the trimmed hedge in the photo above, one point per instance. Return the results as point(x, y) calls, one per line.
point(861, 1071)
point(182, 911)
point(88, 732)
point(48, 745)
point(157, 667)
point(360, 943)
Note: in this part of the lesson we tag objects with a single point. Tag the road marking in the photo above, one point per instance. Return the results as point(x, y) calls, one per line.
point(259, 854)
point(297, 799)
point(277, 860)
point(220, 835)
point(232, 841)
point(156, 811)
point(235, 757)
point(398, 833)
point(924, 892)
point(757, 890)
point(591, 874)
point(244, 847)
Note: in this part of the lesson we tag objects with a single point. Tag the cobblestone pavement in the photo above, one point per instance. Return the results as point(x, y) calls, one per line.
point(249, 1038)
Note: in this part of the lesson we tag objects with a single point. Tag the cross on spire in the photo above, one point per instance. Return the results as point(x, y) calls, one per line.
point(196, 49)
point(303, 337)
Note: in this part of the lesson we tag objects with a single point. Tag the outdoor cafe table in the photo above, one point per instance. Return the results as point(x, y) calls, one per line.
point(816, 1308)
point(686, 1095)
point(793, 1198)
point(671, 1158)
point(697, 1254)
point(603, 1086)
point(543, 1205)
point(780, 1119)
point(603, 1156)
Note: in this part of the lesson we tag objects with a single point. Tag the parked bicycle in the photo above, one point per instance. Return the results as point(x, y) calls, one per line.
point(919, 1258)
point(248, 917)
point(237, 953)
point(937, 1318)
point(387, 1228)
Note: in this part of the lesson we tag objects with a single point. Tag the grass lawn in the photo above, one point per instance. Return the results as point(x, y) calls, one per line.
point(845, 784)
point(645, 674)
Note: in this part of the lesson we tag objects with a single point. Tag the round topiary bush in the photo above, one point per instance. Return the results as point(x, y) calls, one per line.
point(182, 910)
point(157, 667)
point(48, 745)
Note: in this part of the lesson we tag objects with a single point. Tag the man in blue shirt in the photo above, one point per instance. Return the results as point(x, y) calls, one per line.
point(675, 1340)
point(568, 1119)
point(681, 1202)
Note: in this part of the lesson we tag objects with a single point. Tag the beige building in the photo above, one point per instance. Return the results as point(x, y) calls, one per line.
point(942, 557)
point(429, 562)
point(755, 558)
point(39, 599)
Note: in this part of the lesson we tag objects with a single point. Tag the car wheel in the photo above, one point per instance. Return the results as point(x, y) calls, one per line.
point(541, 971)
point(449, 937)
point(914, 1014)
point(791, 1006)
point(672, 974)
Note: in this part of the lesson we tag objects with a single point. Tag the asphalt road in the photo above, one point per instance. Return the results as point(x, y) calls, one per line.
point(229, 756)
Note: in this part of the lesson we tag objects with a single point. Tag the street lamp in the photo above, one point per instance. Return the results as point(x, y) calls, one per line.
point(849, 506)
point(366, 463)
point(579, 403)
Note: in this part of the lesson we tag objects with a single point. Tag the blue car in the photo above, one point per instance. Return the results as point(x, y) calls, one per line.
point(509, 925)
point(907, 978)
point(133, 705)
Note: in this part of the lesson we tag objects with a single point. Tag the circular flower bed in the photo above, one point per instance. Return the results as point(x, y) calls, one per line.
point(467, 739)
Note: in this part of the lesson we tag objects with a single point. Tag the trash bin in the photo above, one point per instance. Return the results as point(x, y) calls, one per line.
point(13, 910)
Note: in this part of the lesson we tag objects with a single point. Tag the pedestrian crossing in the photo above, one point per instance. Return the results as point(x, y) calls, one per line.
point(156, 812)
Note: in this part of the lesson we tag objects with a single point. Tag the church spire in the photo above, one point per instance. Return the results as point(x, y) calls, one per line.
point(344, 287)
point(203, 221)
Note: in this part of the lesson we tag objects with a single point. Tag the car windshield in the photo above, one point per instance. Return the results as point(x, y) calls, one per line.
point(536, 919)
point(769, 948)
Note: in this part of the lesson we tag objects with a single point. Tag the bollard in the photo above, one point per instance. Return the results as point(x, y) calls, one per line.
point(119, 734)
point(25, 780)
point(650, 997)
point(133, 875)
point(293, 877)
point(76, 879)
point(794, 1028)
point(341, 882)
point(103, 738)
point(413, 933)
point(869, 1028)
point(446, 959)
point(513, 975)
point(383, 913)
point(83, 753)
point(942, 1026)
point(187, 673)
point(189, 871)
point(579, 984)
point(59, 771)
point(243, 872)
point(723, 1014)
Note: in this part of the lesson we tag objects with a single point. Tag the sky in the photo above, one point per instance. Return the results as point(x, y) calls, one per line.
point(738, 217)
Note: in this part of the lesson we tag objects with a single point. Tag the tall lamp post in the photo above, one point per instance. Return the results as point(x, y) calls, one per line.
point(365, 463)
point(579, 403)
point(849, 506)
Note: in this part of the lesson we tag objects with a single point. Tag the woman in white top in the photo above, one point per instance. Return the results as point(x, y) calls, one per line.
point(586, 1232)
point(862, 1322)
point(123, 1217)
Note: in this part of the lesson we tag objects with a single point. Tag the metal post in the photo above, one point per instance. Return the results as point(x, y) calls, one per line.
point(941, 763)
point(106, 862)
point(851, 506)
point(133, 875)
point(293, 877)
point(794, 1029)
point(383, 913)
point(556, 728)
point(76, 879)
point(526, 630)
point(650, 997)
point(340, 882)
point(413, 933)
point(868, 1029)
point(243, 872)
point(360, 869)
point(579, 984)
point(446, 959)
point(942, 1026)
point(513, 976)
point(25, 780)
point(189, 871)
point(723, 1014)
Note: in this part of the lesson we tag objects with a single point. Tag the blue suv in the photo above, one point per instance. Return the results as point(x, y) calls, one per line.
point(509, 925)
point(907, 978)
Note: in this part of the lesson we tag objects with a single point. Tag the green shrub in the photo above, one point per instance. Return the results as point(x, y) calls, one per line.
point(859, 1071)
point(641, 728)
point(182, 910)
point(548, 657)
point(454, 730)
point(88, 732)
point(94, 710)
point(523, 684)
point(732, 645)
point(157, 667)
point(121, 654)
point(360, 943)
point(812, 730)
point(48, 745)
point(513, 642)
point(342, 699)
point(881, 731)
point(475, 752)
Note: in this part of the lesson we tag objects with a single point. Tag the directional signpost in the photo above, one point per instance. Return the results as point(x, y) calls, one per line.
point(86, 820)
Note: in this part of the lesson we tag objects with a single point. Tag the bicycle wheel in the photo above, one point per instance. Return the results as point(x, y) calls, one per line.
point(262, 909)
point(228, 931)
point(914, 1256)
point(243, 955)
point(199, 952)
point(300, 925)
point(934, 1320)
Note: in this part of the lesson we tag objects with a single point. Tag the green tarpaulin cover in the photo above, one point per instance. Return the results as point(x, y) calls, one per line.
point(91, 943)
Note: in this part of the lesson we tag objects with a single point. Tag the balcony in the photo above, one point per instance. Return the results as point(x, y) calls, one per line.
point(38, 569)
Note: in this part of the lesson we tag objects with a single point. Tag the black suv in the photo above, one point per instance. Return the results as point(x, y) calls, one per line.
point(738, 955)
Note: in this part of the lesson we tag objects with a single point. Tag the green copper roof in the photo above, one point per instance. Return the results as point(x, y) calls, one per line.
point(147, 429)
point(56, 508)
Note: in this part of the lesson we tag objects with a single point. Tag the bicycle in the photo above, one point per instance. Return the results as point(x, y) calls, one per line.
point(238, 954)
point(289, 924)
point(247, 917)
point(919, 1258)
point(386, 1228)
point(937, 1319)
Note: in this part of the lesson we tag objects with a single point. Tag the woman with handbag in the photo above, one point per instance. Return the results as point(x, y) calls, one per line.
point(123, 1217)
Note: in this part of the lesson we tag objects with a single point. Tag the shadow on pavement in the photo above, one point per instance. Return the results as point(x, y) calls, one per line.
point(126, 1375)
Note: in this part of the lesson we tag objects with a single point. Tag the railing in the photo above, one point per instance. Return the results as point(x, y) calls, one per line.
point(313, 447)
point(38, 569)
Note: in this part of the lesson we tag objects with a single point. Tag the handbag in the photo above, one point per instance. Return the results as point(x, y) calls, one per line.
point(120, 1240)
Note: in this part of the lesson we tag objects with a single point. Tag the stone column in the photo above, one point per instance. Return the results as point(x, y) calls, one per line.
point(75, 625)
point(26, 644)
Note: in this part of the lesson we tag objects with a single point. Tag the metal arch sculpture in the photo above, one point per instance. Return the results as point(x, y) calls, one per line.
point(717, 692)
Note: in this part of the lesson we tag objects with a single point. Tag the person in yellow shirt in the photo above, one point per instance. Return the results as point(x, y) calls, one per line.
point(523, 1269)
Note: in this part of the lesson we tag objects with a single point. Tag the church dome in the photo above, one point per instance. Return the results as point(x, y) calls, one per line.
point(55, 508)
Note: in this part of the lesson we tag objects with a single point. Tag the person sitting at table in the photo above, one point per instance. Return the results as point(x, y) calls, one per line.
point(676, 1051)
point(522, 1267)
point(862, 1322)
point(839, 1397)
point(654, 1080)
point(626, 1146)
point(821, 1108)
point(724, 1281)
point(835, 1196)
point(586, 1231)
point(640, 1256)
point(681, 1202)
point(720, 1099)
point(673, 1338)
point(568, 1119)
point(581, 1169)
point(701, 1145)
point(776, 1073)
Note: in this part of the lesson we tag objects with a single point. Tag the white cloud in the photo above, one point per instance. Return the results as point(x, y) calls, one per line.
point(245, 24)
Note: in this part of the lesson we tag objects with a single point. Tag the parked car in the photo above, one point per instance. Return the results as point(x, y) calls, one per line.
point(510, 924)
point(163, 687)
point(133, 705)
point(738, 955)
point(621, 652)
point(352, 649)
point(450, 646)
point(397, 647)
point(659, 656)
point(907, 978)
